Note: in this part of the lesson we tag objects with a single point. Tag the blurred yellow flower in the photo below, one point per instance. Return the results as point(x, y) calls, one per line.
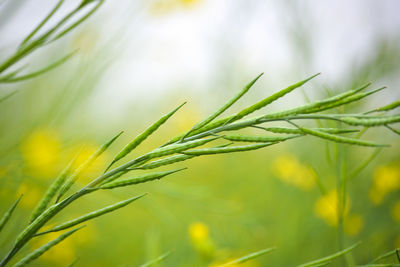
point(290, 170)
point(326, 208)
point(200, 238)
point(163, 7)
point(198, 232)
point(85, 41)
point(396, 211)
point(41, 151)
point(353, 223)
point(98, 165)
point(31, 197)
point(386, 179)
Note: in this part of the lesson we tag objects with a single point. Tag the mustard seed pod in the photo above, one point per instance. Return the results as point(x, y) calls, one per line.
point(371, 122)
point(139, 179)
point(221, 150)
point(141, 137)
point(40, 251)
point(72, 179)
point(272, 98)
point(341, 139)
point(7, 215)
point(95, 214)
point(259, 139)
point(165, 161)
point(224, 107)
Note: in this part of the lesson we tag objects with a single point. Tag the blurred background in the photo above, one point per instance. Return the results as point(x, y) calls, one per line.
point(138, 60)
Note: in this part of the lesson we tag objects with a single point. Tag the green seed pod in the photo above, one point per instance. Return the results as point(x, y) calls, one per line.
point(94, 214)
point(141, 137)
point(165, 161)
point(271, 99)
point(8, 213)
point(176, 148)
point(298, 131)
point(315, 105)
point(38, 252)
point(224, 107)
point(340, 139)
point(72, 179)
point(139, 179)
point(389, 107)
point(220, 150)
point(259, 139)
point(347, 100)
point(370, 122)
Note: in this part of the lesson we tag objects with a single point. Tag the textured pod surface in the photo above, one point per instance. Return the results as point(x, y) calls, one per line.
point(259, 139)
point(272, 98)
point(176, 148)
point(226, 106)
point(38, 252)
point(7, 215)
point(139, 179)
point(165, 161)
point(370, 122)
point(143, 136)
point(94, 214)
point(72, 179)
point(298, 131)
point(221, 150)
point(341, 139)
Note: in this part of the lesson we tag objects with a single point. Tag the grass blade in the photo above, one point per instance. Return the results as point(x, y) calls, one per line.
point(248, 257)
point(7, 215)
point(141, 137)
point(330, 257)
point(40, 251)
point(157, 260)
point(386, 255)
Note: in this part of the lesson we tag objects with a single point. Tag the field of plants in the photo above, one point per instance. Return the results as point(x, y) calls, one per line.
point(199, 133)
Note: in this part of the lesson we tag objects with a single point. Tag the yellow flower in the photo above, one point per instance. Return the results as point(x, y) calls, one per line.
point(41, 151)
point(326, 208)
point(353, 223)
point(396, 211)
point(200, 238)
point(291, 171)
point(83, 155)
point(386, 179)
point(198, 232)
point(85, 41)
point(162, 7)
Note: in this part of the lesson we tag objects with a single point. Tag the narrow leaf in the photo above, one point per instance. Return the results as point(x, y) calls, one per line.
point(330, 257)
point(157, 260)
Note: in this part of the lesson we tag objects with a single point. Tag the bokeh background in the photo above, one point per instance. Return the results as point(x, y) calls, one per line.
point(138, 60)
